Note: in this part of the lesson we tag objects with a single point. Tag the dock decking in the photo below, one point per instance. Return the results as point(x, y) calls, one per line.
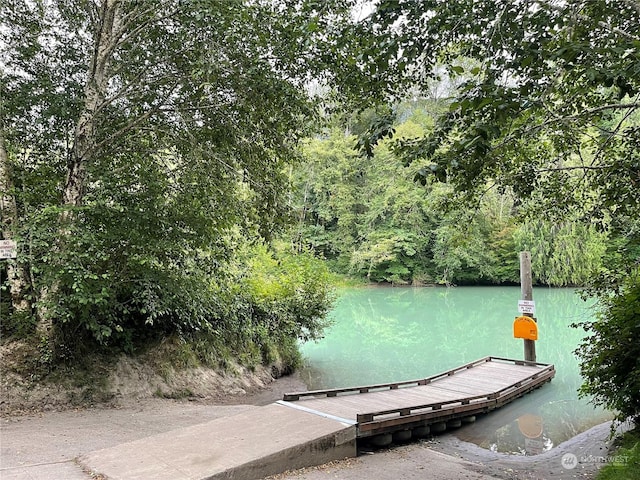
point(468, 390)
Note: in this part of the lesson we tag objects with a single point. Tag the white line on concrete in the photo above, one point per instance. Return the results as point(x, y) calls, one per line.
point(316, 412)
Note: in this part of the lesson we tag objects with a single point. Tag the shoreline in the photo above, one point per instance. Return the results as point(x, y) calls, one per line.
point(446, 457)
point(589, 448)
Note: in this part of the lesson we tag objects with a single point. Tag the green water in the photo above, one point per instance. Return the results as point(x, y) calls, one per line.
point(389, 334)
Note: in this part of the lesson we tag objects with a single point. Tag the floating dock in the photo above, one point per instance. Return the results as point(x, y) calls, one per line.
point(315, 427)
point(435, 402)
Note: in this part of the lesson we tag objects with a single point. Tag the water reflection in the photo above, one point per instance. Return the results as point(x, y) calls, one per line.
point(392, 334)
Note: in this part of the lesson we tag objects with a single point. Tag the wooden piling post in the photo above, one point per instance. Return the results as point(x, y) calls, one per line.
point(526, 289)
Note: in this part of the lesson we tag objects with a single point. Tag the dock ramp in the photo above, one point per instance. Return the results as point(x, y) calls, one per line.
point(315, 427)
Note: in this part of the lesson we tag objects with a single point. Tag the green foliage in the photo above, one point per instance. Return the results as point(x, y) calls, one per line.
point(368, 217)
point(626, 459)
point(621, 255)
point(14, 324)
point(386, 256)
point(117, 278)
point(459, 253)
point(611, 352)
point(289, 294)
point(270, 301)
point(364, 216)
point(147, 155)
point(537, 101)
point(256, 311)
point(564, 77)
point(566, 254)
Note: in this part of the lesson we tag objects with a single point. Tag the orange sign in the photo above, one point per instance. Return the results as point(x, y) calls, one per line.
point(525, 327)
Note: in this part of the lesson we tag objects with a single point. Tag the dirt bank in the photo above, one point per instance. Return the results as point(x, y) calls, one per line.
point(113, 383)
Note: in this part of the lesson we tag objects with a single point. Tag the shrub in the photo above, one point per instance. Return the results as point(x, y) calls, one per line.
point(611, 352)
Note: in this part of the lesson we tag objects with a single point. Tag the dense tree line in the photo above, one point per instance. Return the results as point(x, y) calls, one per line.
point(369, 217)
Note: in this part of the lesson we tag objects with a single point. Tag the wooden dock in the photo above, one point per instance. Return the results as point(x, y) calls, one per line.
point(431, 403)
point(312, 428)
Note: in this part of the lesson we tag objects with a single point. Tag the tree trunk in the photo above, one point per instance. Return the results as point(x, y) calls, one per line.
point(106, 37)
point(17, 271)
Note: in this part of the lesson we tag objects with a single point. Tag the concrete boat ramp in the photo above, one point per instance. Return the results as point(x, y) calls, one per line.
point(250, 445)
point(312, 428)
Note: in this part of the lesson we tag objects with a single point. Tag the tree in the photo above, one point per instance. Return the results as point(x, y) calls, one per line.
point(136, 139)
point(17, 272)
point(528, 72)
point(544, 101)
point(563, 254)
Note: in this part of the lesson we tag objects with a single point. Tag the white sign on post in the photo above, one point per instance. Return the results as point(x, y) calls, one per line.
point(527, 306)
point(8, 249)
